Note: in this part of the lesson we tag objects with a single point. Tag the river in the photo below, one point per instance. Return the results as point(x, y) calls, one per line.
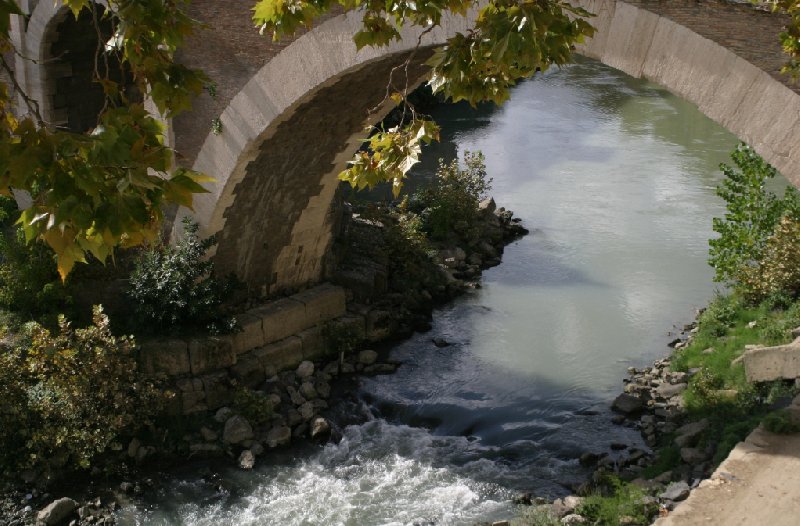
point(615, 178)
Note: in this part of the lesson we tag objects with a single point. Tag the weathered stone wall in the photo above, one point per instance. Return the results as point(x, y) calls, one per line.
point(725, 59)
point(230, 50)
point(274, 337)
point(285, 136)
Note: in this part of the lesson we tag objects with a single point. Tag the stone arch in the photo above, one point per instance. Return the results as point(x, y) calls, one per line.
point(273, 225)
point(270, 204)
point(62, 80)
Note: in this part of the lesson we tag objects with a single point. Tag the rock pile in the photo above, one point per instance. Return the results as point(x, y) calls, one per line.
point(297, 400)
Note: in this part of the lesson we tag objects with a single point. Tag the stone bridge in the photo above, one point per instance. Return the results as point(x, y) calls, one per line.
point(293, 112)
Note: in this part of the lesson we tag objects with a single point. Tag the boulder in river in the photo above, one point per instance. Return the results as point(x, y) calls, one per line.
point(305, 369)
point(57, 511)
point(628, 404)
point(367, 357)
point(670, 390)
point(237, 430)
point(279, 436)
point(247, 460)
point(692, 455)
point(306, 410)
point(307, 390)
point(320, 429)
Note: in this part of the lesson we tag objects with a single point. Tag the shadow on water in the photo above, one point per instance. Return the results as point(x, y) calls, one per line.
point(543, 266)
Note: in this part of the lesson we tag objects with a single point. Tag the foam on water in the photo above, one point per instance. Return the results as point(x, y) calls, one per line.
point(378, 474)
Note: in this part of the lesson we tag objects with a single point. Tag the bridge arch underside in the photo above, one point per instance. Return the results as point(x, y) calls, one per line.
point(276, 168)
point(278, 228)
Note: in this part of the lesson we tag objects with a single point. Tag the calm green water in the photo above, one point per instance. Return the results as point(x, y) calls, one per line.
point(615, 178)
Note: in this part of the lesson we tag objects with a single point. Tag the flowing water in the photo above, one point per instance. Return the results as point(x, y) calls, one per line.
point(615, 178)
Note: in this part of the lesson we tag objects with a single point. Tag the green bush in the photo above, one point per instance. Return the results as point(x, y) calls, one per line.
point(450, 206)
point(174, 288)
point(341, 337)
point(253, 405)
point(751, 217)
point(777, 274)
point(780, 422)
point(69, 397)
point(626, 500)
point(719, 316)
point(536, 516)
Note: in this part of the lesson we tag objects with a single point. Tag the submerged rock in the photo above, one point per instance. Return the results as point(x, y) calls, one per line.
point(628, 404)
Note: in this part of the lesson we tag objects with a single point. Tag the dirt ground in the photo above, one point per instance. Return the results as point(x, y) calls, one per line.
point(757, 485)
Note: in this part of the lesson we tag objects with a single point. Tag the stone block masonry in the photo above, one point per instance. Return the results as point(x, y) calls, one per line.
point(765, 364)
point(274, 337)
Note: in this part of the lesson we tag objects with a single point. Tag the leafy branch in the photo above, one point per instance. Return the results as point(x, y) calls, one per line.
point(100, 189)
point(511, 40)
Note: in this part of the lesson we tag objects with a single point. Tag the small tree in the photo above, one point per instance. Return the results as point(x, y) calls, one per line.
point(778, 273)
point(451, 203)
point(751, 217)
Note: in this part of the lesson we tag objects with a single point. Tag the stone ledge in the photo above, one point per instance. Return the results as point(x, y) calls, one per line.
point(264, 325)
point(773, 363)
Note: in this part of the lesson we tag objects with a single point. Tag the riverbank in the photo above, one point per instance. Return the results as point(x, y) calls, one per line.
point(296, 407)
point(692, 408)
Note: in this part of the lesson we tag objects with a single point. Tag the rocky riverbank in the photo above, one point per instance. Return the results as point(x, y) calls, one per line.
point(295, 406)
point(652, 402)
point(686, 439)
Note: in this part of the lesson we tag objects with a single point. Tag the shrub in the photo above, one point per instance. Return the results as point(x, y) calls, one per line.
point(175, 288)
point(451, 204)
point(341, 337)
point(777, 274)
point(751, 217)
point(627, 500)
point(718, 316)
point(705, 385)
point(69, 397)
point(780, 422)
point(14, 415)
point(253, 405)
point(536, 516)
